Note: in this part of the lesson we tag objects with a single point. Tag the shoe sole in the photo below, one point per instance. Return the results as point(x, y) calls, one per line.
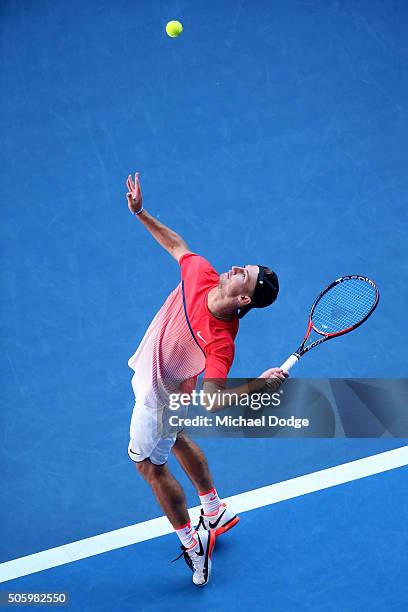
point(231, 523)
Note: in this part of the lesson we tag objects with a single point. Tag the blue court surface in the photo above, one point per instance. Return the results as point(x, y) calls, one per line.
point(270, 133)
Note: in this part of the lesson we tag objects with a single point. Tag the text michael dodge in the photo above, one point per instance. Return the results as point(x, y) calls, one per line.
point(239, 421)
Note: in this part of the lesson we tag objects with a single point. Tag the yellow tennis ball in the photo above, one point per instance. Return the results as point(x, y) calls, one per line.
point(174, 29)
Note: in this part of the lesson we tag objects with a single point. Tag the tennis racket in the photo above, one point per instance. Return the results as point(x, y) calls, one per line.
point(341, 307)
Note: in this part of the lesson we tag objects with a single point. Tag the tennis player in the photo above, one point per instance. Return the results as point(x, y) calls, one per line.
point(193, 332)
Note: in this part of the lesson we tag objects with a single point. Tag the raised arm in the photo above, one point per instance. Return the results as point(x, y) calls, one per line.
point(169, 240)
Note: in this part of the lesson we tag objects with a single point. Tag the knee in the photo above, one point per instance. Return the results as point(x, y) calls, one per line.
point(143, 467)
point(148, 470)
point(183, 442)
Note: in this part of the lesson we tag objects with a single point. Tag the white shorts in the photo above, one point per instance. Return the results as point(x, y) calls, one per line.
point(151, 437)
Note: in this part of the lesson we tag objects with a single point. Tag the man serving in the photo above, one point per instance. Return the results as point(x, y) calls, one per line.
point(193, 332)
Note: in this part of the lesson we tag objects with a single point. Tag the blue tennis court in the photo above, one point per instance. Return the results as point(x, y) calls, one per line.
point(270, 133)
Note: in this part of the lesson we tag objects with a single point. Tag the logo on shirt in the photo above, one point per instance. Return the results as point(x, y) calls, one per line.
point(200, 336)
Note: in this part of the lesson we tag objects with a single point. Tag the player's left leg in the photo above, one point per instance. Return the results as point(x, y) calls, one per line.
point(215, 515)
point(197, 548)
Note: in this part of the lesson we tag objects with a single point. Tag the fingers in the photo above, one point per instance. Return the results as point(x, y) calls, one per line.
point(129, 183)
point(276, 378)
point(273, 383)
point(133, 185)
point(280, 374)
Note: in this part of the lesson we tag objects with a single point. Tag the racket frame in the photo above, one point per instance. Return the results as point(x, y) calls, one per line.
point(294, 358)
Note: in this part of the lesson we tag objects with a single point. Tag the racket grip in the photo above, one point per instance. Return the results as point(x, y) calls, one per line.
point(289, 363)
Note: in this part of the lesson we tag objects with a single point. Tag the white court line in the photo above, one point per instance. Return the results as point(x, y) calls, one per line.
point(257, 498)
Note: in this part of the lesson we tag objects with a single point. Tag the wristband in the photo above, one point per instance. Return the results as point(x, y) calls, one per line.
point(138, 212)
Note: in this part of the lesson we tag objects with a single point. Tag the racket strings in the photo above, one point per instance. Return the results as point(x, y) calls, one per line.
point(344, 305)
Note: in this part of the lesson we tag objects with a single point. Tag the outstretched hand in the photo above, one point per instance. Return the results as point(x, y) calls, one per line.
point(134, 194)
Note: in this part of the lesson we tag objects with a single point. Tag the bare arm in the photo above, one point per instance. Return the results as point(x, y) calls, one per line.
point(169, 240)
point(271, 379)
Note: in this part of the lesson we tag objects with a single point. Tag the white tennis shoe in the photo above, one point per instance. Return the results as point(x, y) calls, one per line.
point(219, 522)
point(198, 559)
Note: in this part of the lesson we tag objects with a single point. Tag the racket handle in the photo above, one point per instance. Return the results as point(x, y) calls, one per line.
point(289, 363)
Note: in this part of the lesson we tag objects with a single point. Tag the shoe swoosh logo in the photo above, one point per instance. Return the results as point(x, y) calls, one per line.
point(200, 554)
point(214, 525)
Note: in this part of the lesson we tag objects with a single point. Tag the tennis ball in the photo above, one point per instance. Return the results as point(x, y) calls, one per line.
point(174, 29)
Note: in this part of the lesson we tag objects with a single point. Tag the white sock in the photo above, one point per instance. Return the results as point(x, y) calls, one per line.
point(210, 501)
point(187, 535)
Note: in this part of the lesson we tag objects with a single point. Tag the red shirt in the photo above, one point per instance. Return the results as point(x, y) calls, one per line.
point(184, 338)
point(214, 336)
